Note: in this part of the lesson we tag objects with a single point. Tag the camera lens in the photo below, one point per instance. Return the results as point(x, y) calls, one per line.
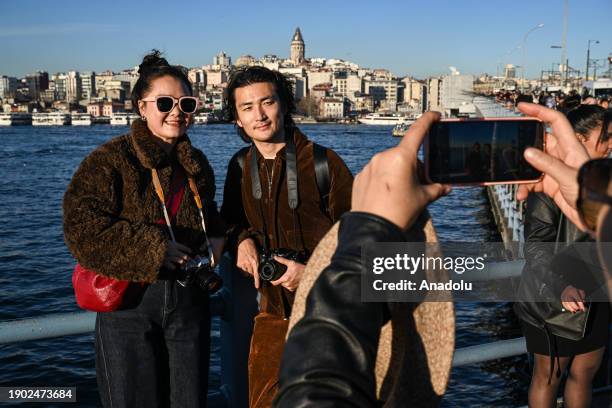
point(267, 271)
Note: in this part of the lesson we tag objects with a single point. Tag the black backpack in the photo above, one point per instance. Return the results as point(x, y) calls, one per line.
point(321, 167)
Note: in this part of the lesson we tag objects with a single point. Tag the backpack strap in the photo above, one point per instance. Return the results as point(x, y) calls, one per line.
point(321, 167)
point(241, 156)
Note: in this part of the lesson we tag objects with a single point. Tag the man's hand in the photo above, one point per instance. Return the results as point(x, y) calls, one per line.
point(572, 299)
point(292, 276)
point(248, 259)
point(389, 185)
point(563, 156)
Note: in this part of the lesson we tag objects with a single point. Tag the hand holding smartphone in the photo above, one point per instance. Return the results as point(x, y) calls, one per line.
point(482, 151)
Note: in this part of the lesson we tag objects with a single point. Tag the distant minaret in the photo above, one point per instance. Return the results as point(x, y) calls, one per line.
point(297, 48)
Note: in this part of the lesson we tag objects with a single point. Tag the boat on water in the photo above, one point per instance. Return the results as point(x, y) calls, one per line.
point(304, 119)
point(50, 119)
point(15, 119)
point(203, 118)
point(123, 118)
point(382, 119)
point(400, 129)
point(81, 119)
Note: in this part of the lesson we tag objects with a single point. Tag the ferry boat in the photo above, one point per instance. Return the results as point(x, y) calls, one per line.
point(400, 129)
point(304, 119)
point(81, 119)
point(382, 119)
point(203, 118)
point(50, 119)
point(123, 118)
point(15, 119)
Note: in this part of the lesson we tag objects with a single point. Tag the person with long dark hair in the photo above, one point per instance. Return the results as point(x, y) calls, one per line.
point(132, 213)
point(553, 308)
point(280, 201)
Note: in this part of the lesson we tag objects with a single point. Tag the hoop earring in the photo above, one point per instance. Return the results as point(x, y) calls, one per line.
point(144, 118)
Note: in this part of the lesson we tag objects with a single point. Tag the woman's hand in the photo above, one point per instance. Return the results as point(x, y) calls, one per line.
point(573, 299)
point(176, 255)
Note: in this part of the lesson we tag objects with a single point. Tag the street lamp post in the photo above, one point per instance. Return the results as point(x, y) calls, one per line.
point(586, 75)
point(523, 47)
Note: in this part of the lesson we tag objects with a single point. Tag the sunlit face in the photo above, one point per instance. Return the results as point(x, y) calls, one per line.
point(597, 151)
point(170, 125)
point(260, 114)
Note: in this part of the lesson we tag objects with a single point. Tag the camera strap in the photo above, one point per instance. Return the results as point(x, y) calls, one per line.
point(292, 184)
point(176, 201)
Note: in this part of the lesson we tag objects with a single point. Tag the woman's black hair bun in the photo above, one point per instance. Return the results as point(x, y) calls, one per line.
point(151, 61)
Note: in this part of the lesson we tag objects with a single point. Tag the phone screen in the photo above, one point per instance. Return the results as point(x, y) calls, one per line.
point(482, 151)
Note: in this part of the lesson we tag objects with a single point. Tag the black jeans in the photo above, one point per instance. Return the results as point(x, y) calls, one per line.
point(155, 354)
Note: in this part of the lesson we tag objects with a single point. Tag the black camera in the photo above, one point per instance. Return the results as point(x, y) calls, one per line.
point(198, 271)
point(270, 270)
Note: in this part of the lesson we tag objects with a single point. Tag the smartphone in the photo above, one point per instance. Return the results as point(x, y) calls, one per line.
point(482, 151)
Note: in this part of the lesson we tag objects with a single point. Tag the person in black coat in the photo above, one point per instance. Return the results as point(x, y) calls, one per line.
point(560, 327)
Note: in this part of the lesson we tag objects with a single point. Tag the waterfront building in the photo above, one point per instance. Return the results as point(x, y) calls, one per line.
point(347, 84)
point(364, 103)
point(245, 60)
point(320, 91)
point(197, 76)
point(59, 86)
point(48, 95)
point(95, 109)
point(270, 61)
point(101, 79)
point(299, 86)
point(457, 90)
point(114, 90)
point(73, 87)
point(127, 76)
point(382, 73)
point(434, 86)
point(222, 60)
point(332, 108)
point(414, 94)
point(8, 86)
point(383, 90)
point(298, 48)
point(36, 83)
point(215, 78)
point(318, 77)
point(88, 85)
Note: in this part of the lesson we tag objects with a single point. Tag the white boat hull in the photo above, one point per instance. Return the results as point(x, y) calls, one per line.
point(382, 122)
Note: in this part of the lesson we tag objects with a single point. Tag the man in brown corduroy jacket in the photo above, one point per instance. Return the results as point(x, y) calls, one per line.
point(269, 212)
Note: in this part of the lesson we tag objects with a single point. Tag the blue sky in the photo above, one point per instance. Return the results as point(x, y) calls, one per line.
point(419, 38)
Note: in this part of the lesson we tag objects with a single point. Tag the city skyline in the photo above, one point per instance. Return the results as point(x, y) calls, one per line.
point(467, 36)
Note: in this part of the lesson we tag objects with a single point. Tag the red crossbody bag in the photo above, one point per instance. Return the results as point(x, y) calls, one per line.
point(99, 293)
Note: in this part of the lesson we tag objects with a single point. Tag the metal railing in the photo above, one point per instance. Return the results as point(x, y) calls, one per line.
point(236, 305)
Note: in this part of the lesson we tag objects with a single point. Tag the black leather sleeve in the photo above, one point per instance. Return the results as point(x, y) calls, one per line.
point(330, 354)
point(542, 222)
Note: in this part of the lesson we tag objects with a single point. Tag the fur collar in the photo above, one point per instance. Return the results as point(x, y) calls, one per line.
point(151, 155)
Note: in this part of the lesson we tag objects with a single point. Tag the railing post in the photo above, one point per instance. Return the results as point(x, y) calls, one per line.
point(236, 331)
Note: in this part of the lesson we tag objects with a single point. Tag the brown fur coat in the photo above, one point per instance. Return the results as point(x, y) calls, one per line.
point(111, 210)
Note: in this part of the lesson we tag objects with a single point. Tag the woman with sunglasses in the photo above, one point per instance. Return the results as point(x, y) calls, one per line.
point(132, 212)
point(563, 330)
